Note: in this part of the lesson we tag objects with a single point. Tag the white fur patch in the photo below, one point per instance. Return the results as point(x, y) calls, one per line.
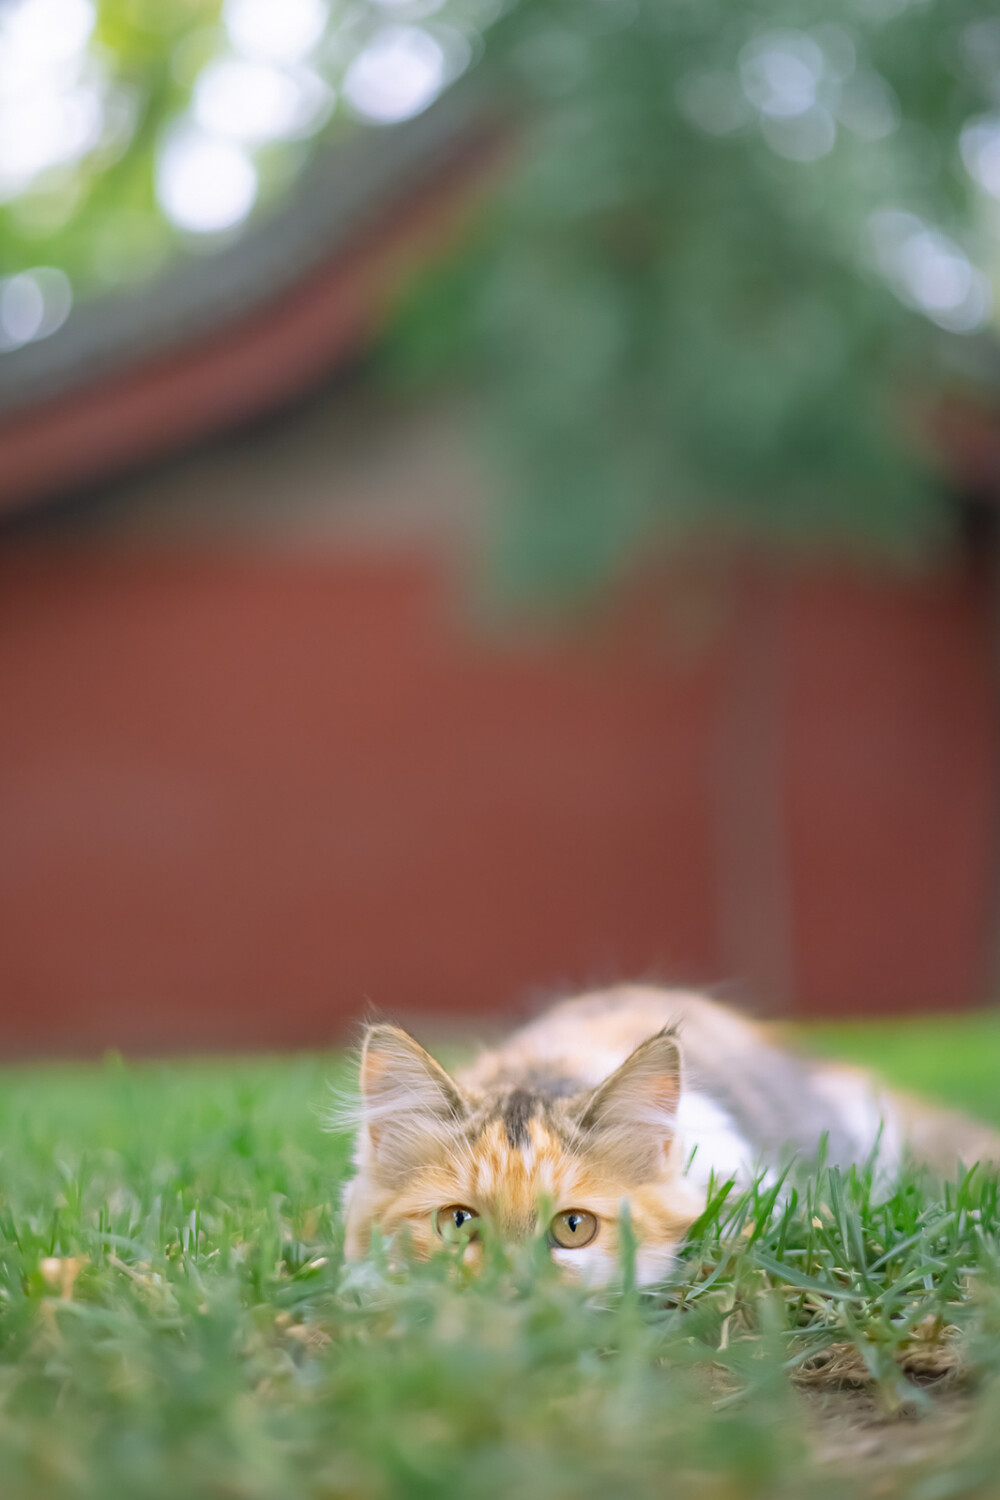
point(593, 1265)
point(707, 1130)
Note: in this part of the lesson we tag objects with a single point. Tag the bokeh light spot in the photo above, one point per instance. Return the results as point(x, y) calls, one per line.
point(35, 34)
point(52, 93)
point(283, 31)
point(254, 101)
point(33, 304)
point(929, 272)
point(781, 71)
point(980, 146)
point(204, 184)
point(400, 72)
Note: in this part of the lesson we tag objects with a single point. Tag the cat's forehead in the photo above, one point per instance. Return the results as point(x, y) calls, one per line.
point(515, 1159)
point(528, 1118)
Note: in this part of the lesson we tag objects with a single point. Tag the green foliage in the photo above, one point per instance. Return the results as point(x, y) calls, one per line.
point(176, 1318)
point(682, 307)
point(96, 218)
point(675, 307)
point(87, 115)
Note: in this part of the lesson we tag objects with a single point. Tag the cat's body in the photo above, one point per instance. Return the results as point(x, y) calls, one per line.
point(627, 1099)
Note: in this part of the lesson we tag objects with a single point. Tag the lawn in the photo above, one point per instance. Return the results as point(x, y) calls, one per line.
point(176, 1319)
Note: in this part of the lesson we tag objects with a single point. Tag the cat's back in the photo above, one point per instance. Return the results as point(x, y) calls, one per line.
point(746, 1095)
point(587, 1036)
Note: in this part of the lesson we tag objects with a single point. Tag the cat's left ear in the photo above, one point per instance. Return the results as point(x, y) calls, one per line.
point(410, 1105)
point(631, 1118)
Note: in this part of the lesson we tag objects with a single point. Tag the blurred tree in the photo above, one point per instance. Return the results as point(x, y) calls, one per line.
point(744, 242)
point(743, 245)
point(133, 131)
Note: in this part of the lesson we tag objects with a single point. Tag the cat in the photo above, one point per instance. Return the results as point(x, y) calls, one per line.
point(628, 1099)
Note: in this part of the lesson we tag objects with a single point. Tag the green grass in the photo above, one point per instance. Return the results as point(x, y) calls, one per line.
point(952, 1058)
point(176, 1319)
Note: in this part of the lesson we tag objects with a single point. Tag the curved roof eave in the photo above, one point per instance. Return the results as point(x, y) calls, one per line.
point(219, 337)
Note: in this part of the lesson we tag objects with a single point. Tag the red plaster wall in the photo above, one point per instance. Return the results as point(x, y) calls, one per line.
point(242, 797)
point(893, 766)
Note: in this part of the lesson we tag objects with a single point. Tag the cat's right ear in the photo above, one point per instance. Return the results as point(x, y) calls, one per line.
point(632, 1117)
point(409, 1104)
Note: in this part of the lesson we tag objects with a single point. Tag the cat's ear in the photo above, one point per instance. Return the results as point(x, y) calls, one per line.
point(631, 1118)
point(409, 1104)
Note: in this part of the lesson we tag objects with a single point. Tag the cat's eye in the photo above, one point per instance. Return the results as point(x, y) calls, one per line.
point(573, 1229)
point(456, 1222)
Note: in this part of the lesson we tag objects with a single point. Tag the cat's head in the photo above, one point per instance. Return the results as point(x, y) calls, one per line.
point(436, 1160)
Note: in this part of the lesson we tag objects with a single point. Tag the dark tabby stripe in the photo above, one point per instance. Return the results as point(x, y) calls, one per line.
point(516, 1110)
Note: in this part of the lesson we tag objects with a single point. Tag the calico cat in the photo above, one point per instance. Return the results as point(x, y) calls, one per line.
point(626, 1098)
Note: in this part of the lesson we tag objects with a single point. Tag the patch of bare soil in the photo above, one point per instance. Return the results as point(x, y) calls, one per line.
point(851, 1430)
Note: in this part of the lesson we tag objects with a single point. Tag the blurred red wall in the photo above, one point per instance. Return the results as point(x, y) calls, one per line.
point(246, 795)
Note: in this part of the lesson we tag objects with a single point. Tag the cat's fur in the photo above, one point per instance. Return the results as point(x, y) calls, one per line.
point(625, 1099)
